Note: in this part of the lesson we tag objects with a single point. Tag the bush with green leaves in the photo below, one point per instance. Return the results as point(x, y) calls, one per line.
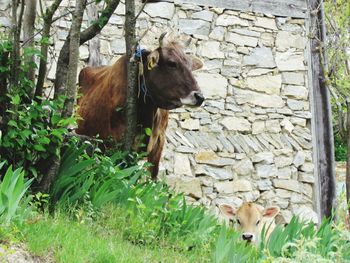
point(32, 129)
point(86, 172)
point(33, 135)
point(13, 187)
point(326, 242)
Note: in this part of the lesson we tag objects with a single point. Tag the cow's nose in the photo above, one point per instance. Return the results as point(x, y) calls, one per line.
point(199, 97)
point(247, 237)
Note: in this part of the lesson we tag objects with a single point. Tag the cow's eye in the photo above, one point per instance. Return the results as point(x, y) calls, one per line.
point(239, 222)
point(258, 222)
point(172, 64)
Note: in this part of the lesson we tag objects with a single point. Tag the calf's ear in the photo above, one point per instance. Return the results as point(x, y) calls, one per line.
point(152, 59)
point(271, 211)
point(196, 63)
point(227, 210)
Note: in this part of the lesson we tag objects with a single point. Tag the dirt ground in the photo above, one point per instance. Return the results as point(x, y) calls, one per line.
point(15, 253)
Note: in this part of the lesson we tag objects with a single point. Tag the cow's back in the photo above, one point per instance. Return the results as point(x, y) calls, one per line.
point(103, 92)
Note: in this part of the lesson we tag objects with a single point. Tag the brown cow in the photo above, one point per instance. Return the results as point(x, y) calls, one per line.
point(168, 84)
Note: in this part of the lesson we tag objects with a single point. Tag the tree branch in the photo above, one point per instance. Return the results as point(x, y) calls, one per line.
point(141, 9)
point(85, 35)
point(44, 46)
point(96, 27)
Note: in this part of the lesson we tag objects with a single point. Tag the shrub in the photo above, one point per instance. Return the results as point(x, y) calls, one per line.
point(34, 134)
point(32, 129)
point(99, 177)
point(299, 238)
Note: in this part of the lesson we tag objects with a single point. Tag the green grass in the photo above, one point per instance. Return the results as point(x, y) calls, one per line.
point(68, 240)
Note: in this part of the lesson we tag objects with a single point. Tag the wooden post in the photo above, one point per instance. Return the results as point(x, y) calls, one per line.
point(322, 115)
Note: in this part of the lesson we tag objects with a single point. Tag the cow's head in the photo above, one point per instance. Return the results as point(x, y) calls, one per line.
point(251, 219)
point(169, 78)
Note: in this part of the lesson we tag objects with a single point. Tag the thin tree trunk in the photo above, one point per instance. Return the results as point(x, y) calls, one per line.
point(347, 178)
point(132, 71)
point(94, 44)
point(28, 34)
point(49, 179)
point(50, 176)
point(86, 35)
point(73, 58)
point(15, 54)
point(44, 46)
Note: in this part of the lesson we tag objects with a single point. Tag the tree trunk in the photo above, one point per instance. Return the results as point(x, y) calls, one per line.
point(73, 58)
point(94, 44)
point(28, 34)
point(132, 74)
point(347, 178)
point(15, 54)
point(86, 35)
point(49, 179)
point(44, 46)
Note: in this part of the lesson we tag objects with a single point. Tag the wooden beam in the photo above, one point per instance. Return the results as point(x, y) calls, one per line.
point(284, 8)
point(321, 111)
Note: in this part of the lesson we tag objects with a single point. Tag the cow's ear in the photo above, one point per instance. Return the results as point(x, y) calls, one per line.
point(196, 63)
point(271, 211)
point(227, 210)
point(152, 59)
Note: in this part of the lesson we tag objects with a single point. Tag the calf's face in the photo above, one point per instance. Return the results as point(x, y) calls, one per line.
point(169, 77)
point(251, 219)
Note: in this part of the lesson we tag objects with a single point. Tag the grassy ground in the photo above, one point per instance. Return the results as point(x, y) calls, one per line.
point(68, 240)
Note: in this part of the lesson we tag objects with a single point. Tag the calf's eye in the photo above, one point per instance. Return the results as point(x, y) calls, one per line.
point(258, 222)
point(239, 222)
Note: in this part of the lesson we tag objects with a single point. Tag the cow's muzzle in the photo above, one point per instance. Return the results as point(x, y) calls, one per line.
point(194, 99)
point(199, 98)
point(248, 237)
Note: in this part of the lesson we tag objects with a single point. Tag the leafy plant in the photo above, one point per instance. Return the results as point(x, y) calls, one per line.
point(298, 237)
point(12, 189)
point(340, 148)
point(229, 248)
point(33, 134)
point(99, 176)
point(32, 128)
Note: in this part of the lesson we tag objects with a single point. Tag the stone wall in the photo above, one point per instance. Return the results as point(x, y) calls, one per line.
point(251, 141)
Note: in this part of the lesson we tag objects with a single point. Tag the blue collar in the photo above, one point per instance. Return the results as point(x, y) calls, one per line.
point(142, 86)
point(138, 52)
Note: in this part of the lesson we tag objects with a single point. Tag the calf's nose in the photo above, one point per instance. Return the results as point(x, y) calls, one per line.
point(247, 237)
point(199, 97)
